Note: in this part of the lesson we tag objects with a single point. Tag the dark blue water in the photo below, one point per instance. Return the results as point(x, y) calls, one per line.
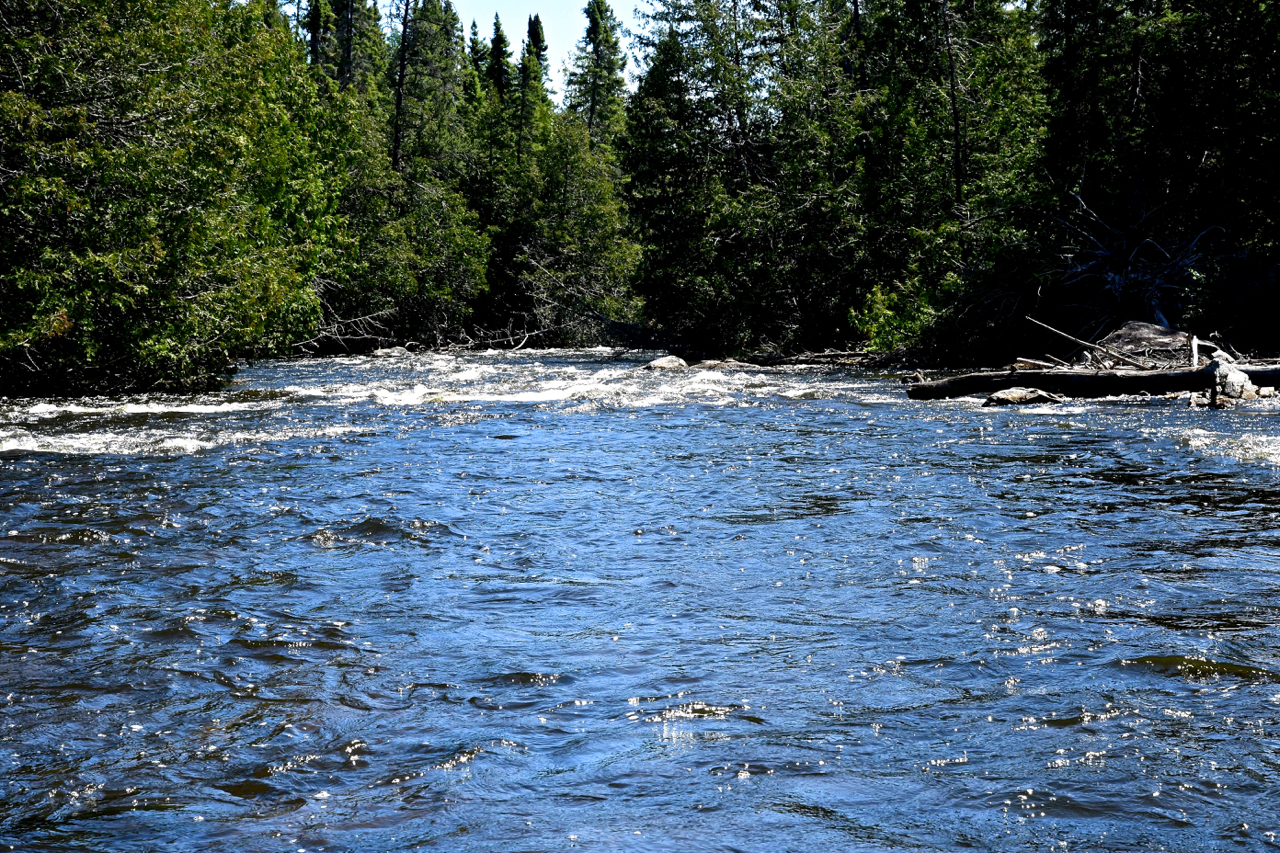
point(546, 601)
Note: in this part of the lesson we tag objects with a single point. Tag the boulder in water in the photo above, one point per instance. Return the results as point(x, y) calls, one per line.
point(667, 362)
point(1021, 397)
point(391, 352)
point(1230, 381)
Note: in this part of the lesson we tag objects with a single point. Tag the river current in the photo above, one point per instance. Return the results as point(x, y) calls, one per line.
point(549, 600)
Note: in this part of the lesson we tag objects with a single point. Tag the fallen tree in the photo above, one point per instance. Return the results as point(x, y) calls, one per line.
point(1089, 383)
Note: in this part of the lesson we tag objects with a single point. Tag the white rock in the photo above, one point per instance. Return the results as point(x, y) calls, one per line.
point(668, 362)
point(1021, 397)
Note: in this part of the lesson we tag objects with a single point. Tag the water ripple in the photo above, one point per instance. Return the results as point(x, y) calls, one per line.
point(549, 599)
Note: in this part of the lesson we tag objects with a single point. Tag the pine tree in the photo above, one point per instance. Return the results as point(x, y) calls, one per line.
point(1160, 146)
point(406, 53)
point(345, 42)
point(534, 106)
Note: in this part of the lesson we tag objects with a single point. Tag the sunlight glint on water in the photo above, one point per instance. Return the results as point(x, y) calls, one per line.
point(547, 599)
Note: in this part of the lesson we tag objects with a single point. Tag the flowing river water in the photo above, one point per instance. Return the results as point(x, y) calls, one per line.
point(548, 600)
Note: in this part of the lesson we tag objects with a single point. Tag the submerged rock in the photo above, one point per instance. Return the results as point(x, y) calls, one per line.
point(667, 362)
point(724, 365)
point(1021, 397)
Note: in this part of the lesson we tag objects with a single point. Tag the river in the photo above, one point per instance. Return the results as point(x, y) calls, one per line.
point(548, 600)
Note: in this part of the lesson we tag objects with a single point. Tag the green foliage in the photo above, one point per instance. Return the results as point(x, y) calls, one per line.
point(497, 70)
point(1161, 147)
point(186, 182)
point(956, 129)
point(595, 82)
point(163, 203)
point(808, 175)
point(536, 42)
point(344, 39)
point(413, 254)
point(676, 198)
point(579, 261)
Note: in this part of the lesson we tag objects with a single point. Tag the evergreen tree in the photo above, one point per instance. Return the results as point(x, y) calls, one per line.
point(579, 266)
point(676, 197)
point(595, 85)
point(477, 50)
point(951, 158)
point(320, 30)
point(1160, 148)
point(345, 41)
point(407, 49)
point(415, 257)
point(498, 70)
point(533, 106)
point(802, 174)
point(165, 205)
point(537, 41)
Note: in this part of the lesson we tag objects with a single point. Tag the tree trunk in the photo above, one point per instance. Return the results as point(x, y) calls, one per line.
point(402, 72)
point(957, 162)
point(1086, 383)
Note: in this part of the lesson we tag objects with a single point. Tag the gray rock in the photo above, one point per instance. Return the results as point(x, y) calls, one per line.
point(390, 352)
point(1229, 381)
point(724, 365)
point(668, 362)
point(1021, 397)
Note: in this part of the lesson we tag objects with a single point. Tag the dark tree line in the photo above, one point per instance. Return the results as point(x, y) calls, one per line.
point(187, 182)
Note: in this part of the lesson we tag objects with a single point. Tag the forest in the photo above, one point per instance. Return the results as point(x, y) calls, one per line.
point(188, 183)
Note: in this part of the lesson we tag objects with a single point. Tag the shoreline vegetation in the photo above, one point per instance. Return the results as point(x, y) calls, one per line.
point(185, 183)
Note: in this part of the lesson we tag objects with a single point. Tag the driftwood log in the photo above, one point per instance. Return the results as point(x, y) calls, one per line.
point(1086, 383)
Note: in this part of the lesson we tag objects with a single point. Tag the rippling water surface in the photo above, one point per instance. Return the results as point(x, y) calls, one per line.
point(546, 600)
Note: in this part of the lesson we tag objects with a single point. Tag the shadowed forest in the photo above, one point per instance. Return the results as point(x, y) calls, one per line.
point(185, 183)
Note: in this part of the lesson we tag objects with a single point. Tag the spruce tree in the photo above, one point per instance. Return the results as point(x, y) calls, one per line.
point(533, 106)
point(595, 85)
point(319, 26)
point(498, 69)
point(477, 50)
point(676, 198)
point(537, 41)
